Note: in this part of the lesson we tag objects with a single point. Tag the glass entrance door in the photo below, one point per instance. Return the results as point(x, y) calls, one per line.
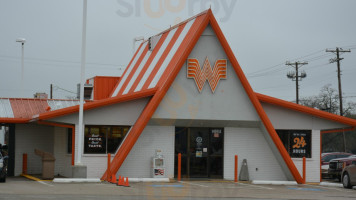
point(198, 152)
point(202, 152)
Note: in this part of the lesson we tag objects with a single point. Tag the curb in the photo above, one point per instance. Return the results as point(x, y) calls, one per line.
point(331, 184)
point(136, 180)
point(257, 182)
point(76, 180)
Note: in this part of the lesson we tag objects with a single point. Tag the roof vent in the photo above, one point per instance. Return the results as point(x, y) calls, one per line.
point(152, 42)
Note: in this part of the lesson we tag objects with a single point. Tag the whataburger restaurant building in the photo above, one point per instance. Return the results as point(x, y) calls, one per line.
point(182, 92)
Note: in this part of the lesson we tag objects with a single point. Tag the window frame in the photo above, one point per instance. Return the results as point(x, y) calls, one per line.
point(105, 141)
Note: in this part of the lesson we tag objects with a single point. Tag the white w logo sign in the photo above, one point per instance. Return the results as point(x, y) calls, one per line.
point(201, 75)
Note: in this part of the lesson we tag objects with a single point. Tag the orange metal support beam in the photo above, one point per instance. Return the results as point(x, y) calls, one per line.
point(321, 141)
point(236, 168)
point(179, 166)
point(24, 163)
point(304, 170)
point(108, 178)
point(337, 130)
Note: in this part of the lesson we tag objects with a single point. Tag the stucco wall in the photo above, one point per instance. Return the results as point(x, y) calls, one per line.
point(229, 101)
point(283, 118)
point(63, 159)
point(138, 162)
point(313, 163)
point(28, 137)
point(250, 144)
point(124, 113)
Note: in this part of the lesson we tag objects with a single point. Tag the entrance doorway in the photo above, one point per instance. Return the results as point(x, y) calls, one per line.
point(202, 152)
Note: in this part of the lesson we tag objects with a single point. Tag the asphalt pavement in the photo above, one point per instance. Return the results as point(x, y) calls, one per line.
point(22, 188)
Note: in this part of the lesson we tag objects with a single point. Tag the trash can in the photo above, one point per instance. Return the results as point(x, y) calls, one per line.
point(47, 164)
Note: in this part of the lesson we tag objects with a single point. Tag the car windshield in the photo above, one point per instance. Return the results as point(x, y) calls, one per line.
point(328, 158)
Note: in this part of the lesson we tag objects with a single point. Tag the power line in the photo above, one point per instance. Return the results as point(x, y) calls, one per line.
point(57, 87)
point(61, 61)
point(280, 66)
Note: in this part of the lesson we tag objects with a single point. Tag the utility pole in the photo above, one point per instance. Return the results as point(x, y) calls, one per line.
point(51, 91)
point(337, 51)
point(295, 76)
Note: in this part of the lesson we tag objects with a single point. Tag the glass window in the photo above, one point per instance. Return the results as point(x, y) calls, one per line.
point(95, 139)
point(296, 142)
point(103, 139)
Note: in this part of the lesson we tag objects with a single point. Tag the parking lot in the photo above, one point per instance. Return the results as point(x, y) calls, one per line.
point(22, 188)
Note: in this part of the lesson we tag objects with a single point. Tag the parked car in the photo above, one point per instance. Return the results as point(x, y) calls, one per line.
point(336, 166)
point(326, 157)
point(349, 175)
point(3, 167)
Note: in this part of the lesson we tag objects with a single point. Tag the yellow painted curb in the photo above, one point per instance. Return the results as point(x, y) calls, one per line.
point(33, 178)
point(313, 183)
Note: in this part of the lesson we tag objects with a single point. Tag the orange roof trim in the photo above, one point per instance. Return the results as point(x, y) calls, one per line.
point(307, 110)
point(14, 120)
point(96, 104)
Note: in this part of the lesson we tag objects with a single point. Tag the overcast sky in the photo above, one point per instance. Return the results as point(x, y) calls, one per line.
point(263, 35)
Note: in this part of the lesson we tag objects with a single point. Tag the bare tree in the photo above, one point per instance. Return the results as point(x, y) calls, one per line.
point(328, 100)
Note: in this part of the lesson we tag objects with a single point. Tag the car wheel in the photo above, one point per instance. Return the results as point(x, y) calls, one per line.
point(346, 181)
point(3, 179)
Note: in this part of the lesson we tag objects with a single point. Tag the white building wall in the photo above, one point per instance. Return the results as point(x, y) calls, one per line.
point(29, 137)
point(250, 144)
point(138, 162)
point(63, 159)
point(283, 118)
point(313, 163)
point(2, 135)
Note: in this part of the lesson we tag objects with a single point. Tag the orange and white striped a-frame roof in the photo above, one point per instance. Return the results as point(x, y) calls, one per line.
point(157, 70)
point(150, 68)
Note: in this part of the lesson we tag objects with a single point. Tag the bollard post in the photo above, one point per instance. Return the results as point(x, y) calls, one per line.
point(24, 163)
point(236, 168)
point(304, 171)
point(108, 177)
point(179, 166)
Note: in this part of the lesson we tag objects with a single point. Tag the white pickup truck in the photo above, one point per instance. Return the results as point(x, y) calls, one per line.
point(2, 168)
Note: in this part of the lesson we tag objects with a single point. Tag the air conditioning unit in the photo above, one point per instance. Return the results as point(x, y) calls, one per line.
point(88, 91)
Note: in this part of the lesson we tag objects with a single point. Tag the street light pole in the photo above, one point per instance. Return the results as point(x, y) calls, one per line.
point(22, 41)
point(82, 82)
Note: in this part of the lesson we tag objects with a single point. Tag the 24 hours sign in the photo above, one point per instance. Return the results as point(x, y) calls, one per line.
point(300, 144)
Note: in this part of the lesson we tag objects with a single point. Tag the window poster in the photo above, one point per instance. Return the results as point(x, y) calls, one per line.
point(95, 140)
point(300, 144)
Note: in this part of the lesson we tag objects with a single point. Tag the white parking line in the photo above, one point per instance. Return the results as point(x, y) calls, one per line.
point(246, 186)
point(256, 186)
point(44, 183)
point(193, 184)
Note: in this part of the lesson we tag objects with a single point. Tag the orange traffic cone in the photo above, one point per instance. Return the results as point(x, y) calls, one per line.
point(122, 183)
point(127, 182)
point(113, 179)
point(119, 181)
